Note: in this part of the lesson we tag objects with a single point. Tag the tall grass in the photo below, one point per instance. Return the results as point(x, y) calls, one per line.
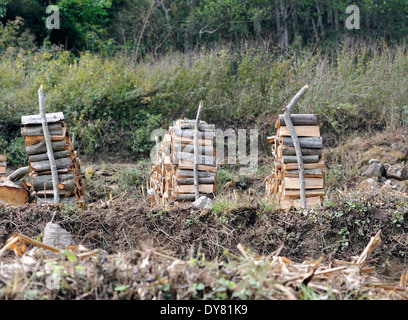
point(113, 105)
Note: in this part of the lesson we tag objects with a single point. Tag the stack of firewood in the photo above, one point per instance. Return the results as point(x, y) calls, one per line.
point(3, 165)
point(71, 181)
point(283, 186)
point(172, 177)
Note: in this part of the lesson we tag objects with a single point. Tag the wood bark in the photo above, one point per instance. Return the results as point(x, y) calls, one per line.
point(201, 159)
point(188, 181)
point(300, 119)
point(305, 142)
point(41, 182)
point(63, 163)
point(305, 151)
point(305, 159)
point(42, 147)
point(205, 150)
point(55, 129)
point(190, 173)
point(203, 134)
point(191, 196)
point(44, 156)
point(36, 119)
point(18, 174)
point(296, 142)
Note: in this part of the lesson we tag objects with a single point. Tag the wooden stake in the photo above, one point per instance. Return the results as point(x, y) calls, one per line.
point(196, 151)
point(296, 142)
point(47, 138)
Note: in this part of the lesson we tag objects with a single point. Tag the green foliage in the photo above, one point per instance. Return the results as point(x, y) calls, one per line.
point(113, 104)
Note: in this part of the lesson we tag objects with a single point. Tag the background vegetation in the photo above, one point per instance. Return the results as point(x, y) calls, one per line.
point(120, 69)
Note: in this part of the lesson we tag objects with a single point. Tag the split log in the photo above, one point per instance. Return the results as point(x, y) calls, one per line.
point(41, 182)
point(305, 142)
point(12, 194)
point(294, 166)
point(44, 156)
point(65, 200)
point(42, 148)
point(306, 159)
point(312, 173)
point(36, 119)
point(188, 140)
point(290, 151)
point(55, 129)
point(301, 131)
point(29, 141)
point(309, 193)
point(203, 188)
point(202, 127)
point(300, 119)
point(63, 163)
point(3, 164)
point(207, 160)
point(3, 158)
point(190, 173)
point(205, 150)
point(191, 196)
point(310, 183)
point(183, 164)
point(188, 181)
point(204, 134)
point(310, 202)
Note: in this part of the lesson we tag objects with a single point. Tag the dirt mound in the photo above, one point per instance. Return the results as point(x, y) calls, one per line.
point(338, 230)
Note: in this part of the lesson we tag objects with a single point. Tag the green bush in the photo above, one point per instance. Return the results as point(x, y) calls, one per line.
point(112, 104)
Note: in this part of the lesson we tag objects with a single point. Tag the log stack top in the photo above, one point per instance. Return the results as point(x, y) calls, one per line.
point(36, 119)
point(284, 183)
point(171, 177)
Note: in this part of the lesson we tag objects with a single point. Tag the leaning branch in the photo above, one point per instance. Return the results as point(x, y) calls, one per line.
point(296, 143)
point(196, 151)
point(48, 142)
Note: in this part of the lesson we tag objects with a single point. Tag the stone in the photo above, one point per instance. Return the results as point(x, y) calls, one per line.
point(202, 203)
point(398, 172)
point(369, 184)
point(374, 170)
point(57, 237)
point(373, 161)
